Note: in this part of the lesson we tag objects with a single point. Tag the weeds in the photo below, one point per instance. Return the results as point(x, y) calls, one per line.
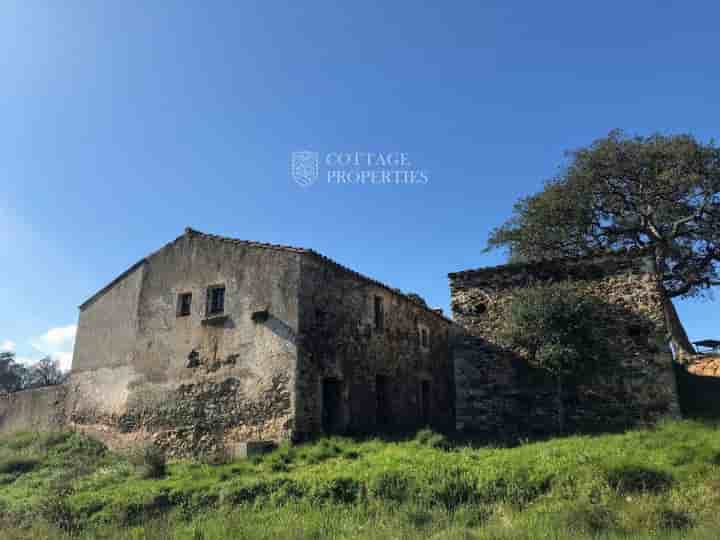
point(651, 484)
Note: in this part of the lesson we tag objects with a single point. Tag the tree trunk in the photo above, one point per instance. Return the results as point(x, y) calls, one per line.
point(682, 347)
point(678, 336)
point(561, 405)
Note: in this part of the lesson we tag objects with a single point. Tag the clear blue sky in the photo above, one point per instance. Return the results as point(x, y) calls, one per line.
point(124, 122)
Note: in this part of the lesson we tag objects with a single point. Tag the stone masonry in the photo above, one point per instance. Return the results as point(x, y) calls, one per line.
point(497, 392)
point(211, 342)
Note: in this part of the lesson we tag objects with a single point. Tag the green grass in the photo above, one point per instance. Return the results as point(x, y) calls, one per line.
point(662, 483)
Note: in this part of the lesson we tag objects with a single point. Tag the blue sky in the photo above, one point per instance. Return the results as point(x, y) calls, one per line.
point(124, 122)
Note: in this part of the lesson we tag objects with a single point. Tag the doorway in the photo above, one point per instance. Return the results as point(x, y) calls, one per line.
point(425, 402)
point(332, 417)
point(382, 396)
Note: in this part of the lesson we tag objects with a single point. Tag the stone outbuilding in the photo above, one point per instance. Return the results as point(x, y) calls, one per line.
point(498, 393)
point(213, 341)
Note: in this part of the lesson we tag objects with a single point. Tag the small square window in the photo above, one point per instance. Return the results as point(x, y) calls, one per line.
point(183, 305)
point(216, 300)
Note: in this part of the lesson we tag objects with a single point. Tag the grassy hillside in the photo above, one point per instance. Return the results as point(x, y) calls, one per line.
point(660, 483)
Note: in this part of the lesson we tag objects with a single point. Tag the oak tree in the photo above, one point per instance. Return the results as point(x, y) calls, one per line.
point(660, 193)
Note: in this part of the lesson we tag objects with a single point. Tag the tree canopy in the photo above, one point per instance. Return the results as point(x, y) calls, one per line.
point(660, 193)
point(560, 331)
point(15, 376)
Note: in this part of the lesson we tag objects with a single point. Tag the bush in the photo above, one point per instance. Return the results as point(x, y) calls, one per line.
point(637, 479)
point(55, 509)
point(431, 439)
point(390, 486)
point(18, 465)
point(337, 490)
point(655, 515)
point(321, 451)
point(590, 518)
point(452, 488)
point(76, 445)
point(517, 488)
point(51, 439)
point(281, 459)
point(151, 461)
point(243, 491)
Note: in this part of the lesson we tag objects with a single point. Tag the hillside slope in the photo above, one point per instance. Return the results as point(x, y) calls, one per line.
point(659, 483)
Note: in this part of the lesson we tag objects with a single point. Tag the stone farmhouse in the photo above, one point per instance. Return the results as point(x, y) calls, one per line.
point(212, 342)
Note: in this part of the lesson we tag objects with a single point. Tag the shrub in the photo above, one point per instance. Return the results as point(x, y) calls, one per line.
point(390, 486)
point(656, 515)
point(134, 512)
point(79, 446)
point(337, 490)
point(452, 488)
point(243, 491)
point(321, 451)
point(517, 488)
point(55, 509)
point(637, 479)
point(20, 441)
point(428, 437)
point(18, 465)
point(151, 461)
point(590, 518)
point(52, 439)
point(281, 459)
point(288, 491)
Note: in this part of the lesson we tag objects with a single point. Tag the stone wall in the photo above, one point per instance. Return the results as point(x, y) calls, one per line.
point(498, 393)
point(294, 324)
point(190, 383)
point(342, 349)
point(40, 409)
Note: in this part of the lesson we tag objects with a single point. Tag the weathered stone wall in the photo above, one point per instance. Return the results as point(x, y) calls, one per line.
point(339, 342)
point(498, 393)
point(40, 409)
point(108, 324)
point(190, 383)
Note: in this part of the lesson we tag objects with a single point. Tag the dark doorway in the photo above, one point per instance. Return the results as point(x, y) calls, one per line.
point(425, 402)
point(332, 421)
point(382, 396)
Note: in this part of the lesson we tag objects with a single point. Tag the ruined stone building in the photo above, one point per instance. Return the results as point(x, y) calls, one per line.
point(499, 394)
point(213, 340)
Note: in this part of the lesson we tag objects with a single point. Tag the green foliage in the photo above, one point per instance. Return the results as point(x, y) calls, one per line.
point(18, 465)
point(54, 507)
point(390, 485)
point(431, 439)
point(629, 479)
point(660, 191)
point(558, 327)
point(151, 461)
point(645, 484)
point(12, 374)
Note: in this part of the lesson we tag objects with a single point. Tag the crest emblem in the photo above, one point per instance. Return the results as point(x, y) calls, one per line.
point(304, 168)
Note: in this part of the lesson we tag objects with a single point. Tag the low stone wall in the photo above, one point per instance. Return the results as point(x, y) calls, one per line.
point(40, 409)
